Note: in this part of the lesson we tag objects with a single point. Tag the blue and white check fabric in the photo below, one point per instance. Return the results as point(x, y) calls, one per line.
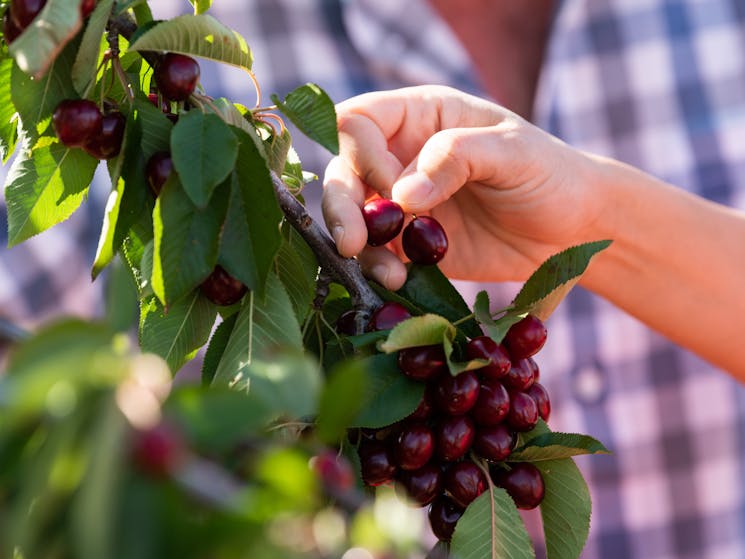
point(658, 84)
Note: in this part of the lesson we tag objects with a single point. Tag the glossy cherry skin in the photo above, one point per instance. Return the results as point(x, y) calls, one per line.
point(539, 393)
point(495, 443)
point(424, 240)
point(457, 394)
point(423, 485)
point(10, 29)
point(387, 316)
point(23, 12)
point(525, 338)
point(76, 122)
point(465, 481)
point(492, 405)
point(520, 376)
point(159, 451)
point(108, 143)
point(523, 414)
point(221, 288)
point(444, 514)
point(158, 168)
point(384, 220)
point(454, 436)
point(376, 463)
point(87, 7)
point(483, 347)
point(414, 446)
point(176, 76)
point(422, 363)
point(523, 482)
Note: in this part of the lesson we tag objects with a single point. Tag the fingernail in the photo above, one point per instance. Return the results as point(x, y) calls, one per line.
point(337, 232)
point(380, 273)
point(413, 191)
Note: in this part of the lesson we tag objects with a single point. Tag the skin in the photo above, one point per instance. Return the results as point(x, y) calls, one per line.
point(509, 195)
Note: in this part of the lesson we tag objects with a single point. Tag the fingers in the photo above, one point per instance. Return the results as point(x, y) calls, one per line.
point(343, 196)
point(383, 266)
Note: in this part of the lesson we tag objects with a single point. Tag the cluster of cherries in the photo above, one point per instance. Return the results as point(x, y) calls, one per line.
point(475, 414)
point(21, 13)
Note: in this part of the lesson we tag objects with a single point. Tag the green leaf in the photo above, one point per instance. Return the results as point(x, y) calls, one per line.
point(297, 277)
point(390, 395)
point(553, 279)
point(204, 151)
point(155, 126)
point(40, 43)
point(201, 6)
point(216, 348)
point(565, 509)
point(231, 113)
point(186, 241)
point(428, 329)
point(86, 62)
point(197, 35)
point(236, 249)
point(341, 400)
point(8, 124)
point(491, 528)
point(428, 289)
point(277, 148)
point(121, 298)
point(176, 335)
point(495, 329)
point(312, 111)
point(552, 446)
point(45, 189)
point(458, 367)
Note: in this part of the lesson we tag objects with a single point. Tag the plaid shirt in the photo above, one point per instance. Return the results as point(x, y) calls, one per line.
point(658, 84)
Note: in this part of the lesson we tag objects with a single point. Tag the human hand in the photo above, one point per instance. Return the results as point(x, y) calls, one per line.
point(508, 194)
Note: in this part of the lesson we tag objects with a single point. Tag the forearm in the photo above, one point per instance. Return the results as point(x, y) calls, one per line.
point(677, 263)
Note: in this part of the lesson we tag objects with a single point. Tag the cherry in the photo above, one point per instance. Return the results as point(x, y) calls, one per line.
point(345, 324)
point(176, 76)
point(76, 122)
point(483, 347)
point(376, 463)
point(444, 514)
point(383, 219)
point(422, 363)
point(465, 481)
point(526, 337)
point(221, 288)
point(539, 393)
point(10, 29)
point(454, 437)
point(163, 105)
point(157, 170)
point(87, 7)
point(457, 394)
point(335, 471)
point(492, 405)
point(524, 482)
point(424, 240)
point(523, 414)
point(158, 451)
point(494, 442)
point(423, 485)
point(23, 12)
point(534, 366)
point(425, 408)
point(520, 376)
point(414, 446)
point(108, 142)
point(387, 316)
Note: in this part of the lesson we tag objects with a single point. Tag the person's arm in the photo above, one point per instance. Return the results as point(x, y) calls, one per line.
point(509, 195)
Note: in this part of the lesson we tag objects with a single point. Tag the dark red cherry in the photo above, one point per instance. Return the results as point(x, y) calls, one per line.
point(221, 288)
point(423, 485)
point(539, 393)
point(414, 446)
point(383, 219)
point(523, 482)
point(483, 347)
point(465, 481)
point(534, 366)
point(492, 405)
point(176, 76)
point(158, 168)
point(494, 442)
point(76, 122)
point(10, 29)
point(444, 514)
point(457, 394)
point(163, 105)
point(422, 363)
point(108, 143)
point(335, 471)
point(426, 406)
point(454, 436)
point(23, 12)
point(158, 451)
point(523, 414)
point(376, 463)
point(424, 240)
point(87, 7)
point(526, 337)
point(520, 376)
point(387, 316)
